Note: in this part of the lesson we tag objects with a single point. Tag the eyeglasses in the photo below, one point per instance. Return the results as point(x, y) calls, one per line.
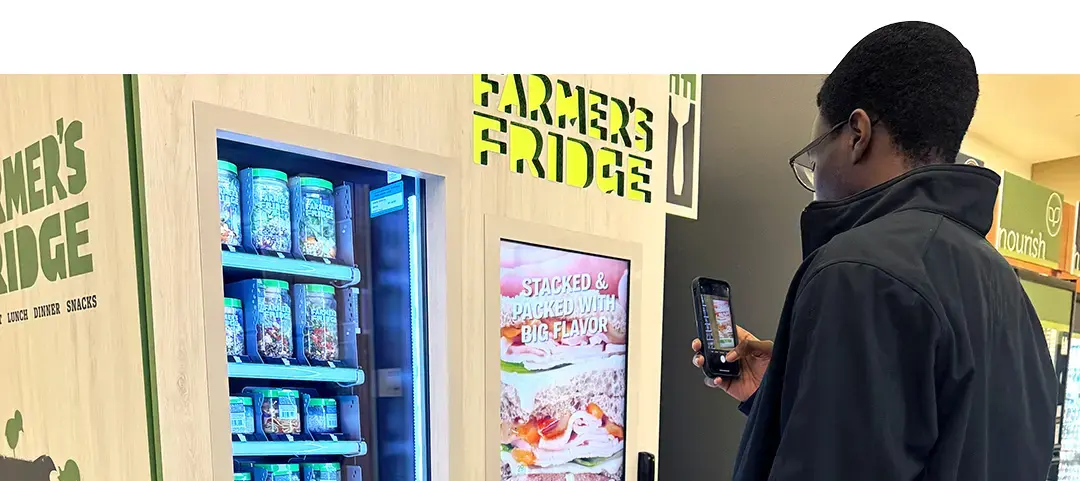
point(802, 164)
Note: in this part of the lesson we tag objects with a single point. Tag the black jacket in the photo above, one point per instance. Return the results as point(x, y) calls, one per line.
point(907, 349)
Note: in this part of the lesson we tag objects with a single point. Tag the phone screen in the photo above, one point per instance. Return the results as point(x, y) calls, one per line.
point(720, 335)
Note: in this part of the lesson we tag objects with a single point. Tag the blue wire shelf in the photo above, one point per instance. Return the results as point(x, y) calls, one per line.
point(299, 448)
point(258, 263)
point(341, 375)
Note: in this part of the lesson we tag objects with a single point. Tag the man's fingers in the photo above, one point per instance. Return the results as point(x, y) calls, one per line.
point(698, 360)
point(716, 383)
point(695, 345)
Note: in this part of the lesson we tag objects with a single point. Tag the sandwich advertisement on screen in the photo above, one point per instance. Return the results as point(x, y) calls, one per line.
point(562, 335)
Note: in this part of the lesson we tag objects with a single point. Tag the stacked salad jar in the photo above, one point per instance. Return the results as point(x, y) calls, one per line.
point(314, 224)
point(234, 327)
point(229, 204)
point(274, 329)
point(317, 306)
point(268, 222)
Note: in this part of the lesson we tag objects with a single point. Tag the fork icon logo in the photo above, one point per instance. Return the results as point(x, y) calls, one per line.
point(683, 142)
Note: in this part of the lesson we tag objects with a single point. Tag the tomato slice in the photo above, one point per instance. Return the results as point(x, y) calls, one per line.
point(529, 433)
point(615, 430)
point(551, 428)
point(524, 457)
point(510, 332)
point(595, 410)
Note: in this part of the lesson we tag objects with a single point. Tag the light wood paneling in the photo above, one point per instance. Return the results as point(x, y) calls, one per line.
point(1061, 175)
point(425, 114)
point(77, 377)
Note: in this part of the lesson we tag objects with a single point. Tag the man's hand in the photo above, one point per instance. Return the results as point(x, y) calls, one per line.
point(753, 355)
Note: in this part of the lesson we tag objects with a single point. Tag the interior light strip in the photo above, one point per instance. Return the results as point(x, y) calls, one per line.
point(419, 361)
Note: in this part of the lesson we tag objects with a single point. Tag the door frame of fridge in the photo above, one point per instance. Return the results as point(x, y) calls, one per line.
point(442, 266)
point(499, 228)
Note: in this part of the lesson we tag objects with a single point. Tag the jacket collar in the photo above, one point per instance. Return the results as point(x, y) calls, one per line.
point(963, 193)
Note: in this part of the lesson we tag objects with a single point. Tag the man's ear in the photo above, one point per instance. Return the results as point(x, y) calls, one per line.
point(861, 133)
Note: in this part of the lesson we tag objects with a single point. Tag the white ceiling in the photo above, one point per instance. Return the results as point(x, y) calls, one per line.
point(1034, 118)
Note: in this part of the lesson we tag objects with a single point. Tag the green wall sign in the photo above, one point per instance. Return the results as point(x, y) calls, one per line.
point(1030, 225)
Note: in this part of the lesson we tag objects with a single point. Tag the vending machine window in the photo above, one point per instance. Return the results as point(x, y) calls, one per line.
point(322, 263)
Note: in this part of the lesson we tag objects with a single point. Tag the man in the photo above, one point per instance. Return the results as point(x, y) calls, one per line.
point(907, 349)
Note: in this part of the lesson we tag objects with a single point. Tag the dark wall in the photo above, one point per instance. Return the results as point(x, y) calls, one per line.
point(747, 233)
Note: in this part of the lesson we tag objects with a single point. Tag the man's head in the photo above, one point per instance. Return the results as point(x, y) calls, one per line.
point(903, 97)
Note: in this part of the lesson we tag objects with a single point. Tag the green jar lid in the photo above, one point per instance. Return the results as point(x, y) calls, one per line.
point(317, 402)
point(279, 468)
point(240, 400)
point(230, 302)
point(319, 288)
point(274, 283)
point(331, 467)
point(271, 173)
point(226, 165)
point(315, 182)
point(241, 476)
point(271, 392)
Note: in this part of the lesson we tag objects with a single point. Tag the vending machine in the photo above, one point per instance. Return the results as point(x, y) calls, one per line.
point(324, 314)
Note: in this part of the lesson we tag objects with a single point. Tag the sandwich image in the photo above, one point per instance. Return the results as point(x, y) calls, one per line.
point(548, 332)
point(565, 422)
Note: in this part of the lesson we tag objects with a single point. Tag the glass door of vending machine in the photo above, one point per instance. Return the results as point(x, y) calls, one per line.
point(1053, 300)
point(1069, 459)
point(325, 319)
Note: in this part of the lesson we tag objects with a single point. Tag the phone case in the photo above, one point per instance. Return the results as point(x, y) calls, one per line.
point(725, 370)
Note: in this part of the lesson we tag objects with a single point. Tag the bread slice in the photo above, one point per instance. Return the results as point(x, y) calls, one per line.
point(562, 477)
point(567, 395)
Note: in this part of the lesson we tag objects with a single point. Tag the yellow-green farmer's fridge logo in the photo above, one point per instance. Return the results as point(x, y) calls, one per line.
point(18, 466)
point(684, 143)
point(53, 246)
point(1029, 226)
point(555, 130)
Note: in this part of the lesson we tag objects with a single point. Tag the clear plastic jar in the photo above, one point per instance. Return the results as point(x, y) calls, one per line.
point(279, 472)
point(322, 416)
point(315, 223)
point(280, 412)
point(234, 327)
point(229, 203)
point(322, 472)
point(270, 221)
point(242, 415)
point(317, 304)
point(274, 328)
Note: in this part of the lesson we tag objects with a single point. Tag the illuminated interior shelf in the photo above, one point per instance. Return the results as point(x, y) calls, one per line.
point(299, 448)
point(341, 375)
point(295, 267)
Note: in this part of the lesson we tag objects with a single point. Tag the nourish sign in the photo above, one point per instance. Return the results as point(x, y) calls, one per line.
point(1030, 226)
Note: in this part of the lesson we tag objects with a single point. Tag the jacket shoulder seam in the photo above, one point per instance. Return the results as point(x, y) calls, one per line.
point(837, 262)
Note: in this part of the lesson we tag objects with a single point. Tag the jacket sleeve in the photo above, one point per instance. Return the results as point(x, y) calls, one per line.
point(859, 387)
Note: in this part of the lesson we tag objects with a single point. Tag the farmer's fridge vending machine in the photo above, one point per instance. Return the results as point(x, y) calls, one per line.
point(325, 319)
point(1069, 460)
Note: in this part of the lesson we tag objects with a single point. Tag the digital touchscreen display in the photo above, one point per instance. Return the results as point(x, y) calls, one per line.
point(562, 352)
point(721, 332)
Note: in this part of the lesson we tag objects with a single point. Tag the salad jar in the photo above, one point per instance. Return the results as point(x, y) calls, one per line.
point(322, 472)
point(270, 220)
point(274, 326)
point(279, 472)
point(241, 476)
point(229, 203)
point(234, 327)
point(322, 416)
point(242, 415)
point(280, 412)
point(317, 308)
point(314, 221)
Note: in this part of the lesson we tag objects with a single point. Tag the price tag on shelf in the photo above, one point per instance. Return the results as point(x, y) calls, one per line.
point(333, 437)
point(285, 362)
point(243, 438)
point(331, 363)
point(289, 437)
point(236, 359)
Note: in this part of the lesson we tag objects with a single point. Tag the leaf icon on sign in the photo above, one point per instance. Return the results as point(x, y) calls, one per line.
point(12, 430)
point(70, 472)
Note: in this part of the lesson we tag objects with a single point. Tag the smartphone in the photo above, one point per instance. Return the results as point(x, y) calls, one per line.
point(715, 326)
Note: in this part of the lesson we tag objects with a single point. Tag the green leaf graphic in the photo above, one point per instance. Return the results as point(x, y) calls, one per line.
point(12, 430)
point(70, 472)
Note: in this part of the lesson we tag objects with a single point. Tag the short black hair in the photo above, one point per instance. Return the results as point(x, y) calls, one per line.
point(915, 78)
